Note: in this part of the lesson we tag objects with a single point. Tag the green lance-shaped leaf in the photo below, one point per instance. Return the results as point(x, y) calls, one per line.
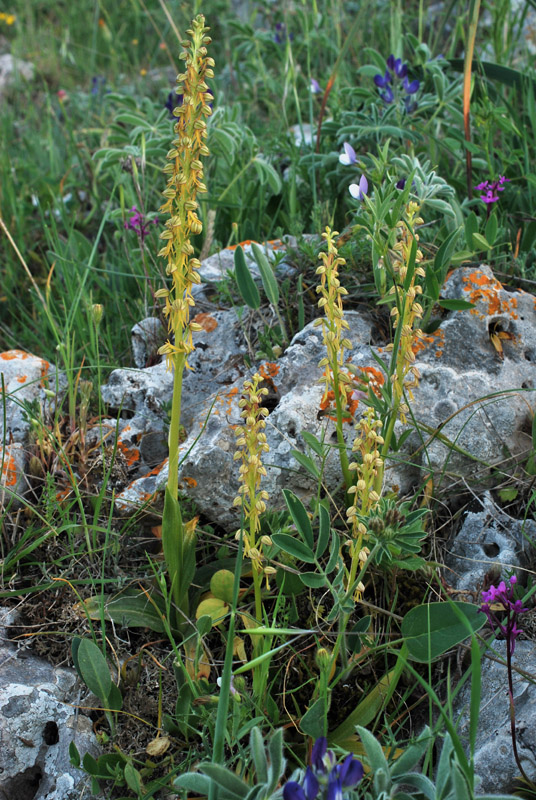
point(178, 544)
point(300, 516)
point(244, 280)
point(267, 274)
point(94, 669)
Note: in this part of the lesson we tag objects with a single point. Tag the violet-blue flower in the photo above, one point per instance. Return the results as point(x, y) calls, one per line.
point(359, 190)
point(349, 156)
point(325, 779)
point(315, 87)
point(396, 71)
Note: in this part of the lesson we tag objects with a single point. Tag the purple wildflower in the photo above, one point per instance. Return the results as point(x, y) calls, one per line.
point(396, 71)
point(349, 156)
point(138, 223)
point(173, 100)
point(315, 87)
point(281, 35)
point(359, 190)
point(325, 779)
point(506, 618)
point(491, 189)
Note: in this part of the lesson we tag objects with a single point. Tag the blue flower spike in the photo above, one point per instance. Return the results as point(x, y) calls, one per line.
point(324, 779)
point(396, 71)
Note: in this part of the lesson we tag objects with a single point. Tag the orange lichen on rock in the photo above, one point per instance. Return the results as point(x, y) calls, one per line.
point(207, 322)
point(486, 290)
point(9, 471)
point(45, 366)
point(11, 355)
point(156, 470)
point(132, 454)
point(275, 244)
point(269, 370)
point(191, 483)
point(357, 389)
point(437, 338)
point(22, 378)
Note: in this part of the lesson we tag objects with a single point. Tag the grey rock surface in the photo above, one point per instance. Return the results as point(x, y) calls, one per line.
point(473, 405)
point(38, 721)
point(494, 759)
point(12, 69)
point(27, 379)
point(487, 542)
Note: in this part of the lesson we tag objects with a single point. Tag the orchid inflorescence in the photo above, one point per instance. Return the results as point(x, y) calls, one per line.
point(505, 619)
point(137, 222)
point(491, 189)
point(325, 779)
point(397, 71)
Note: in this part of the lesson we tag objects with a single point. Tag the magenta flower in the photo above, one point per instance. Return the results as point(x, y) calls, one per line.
point(138, 223)
point(506, 618)
point(491, 189)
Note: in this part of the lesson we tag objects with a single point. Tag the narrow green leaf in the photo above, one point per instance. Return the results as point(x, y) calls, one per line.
point(300, 517)
point(491, 229)
point(269, 280)
point(471, 226)
point(306, 462)
point(232, 785)
point(334, 553)
point(94, 669)
point(456, 305)
point(256, 746)
point(480, 242)
point(244, 280)
point(193, 782)
point(443, 257)
point(313, 443)
point(323, 531)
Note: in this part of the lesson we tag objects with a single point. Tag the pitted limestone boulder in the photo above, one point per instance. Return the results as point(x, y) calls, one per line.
point(39, 719)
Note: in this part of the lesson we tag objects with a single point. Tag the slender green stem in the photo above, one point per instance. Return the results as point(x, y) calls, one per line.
point(174, 428)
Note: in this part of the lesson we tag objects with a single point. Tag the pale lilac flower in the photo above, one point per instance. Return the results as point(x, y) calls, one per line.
point(359, 190)
point(315, 87)
point(349, 156)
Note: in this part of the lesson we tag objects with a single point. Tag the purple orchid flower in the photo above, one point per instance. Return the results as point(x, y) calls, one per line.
point(505, 620)
point(138, 223)
point(491, 189)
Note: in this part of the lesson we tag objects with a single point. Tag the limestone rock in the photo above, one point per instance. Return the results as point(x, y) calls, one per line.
point(494, 760)
point(11, 69)
point(38, 721)
point(487, 540)
point(27, 379)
